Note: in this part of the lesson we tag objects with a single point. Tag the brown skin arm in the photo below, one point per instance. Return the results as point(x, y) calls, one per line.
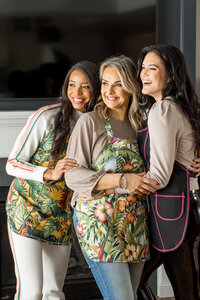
point(63, 165)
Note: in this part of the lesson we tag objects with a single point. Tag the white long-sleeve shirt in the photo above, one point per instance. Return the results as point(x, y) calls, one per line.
point(38, 125)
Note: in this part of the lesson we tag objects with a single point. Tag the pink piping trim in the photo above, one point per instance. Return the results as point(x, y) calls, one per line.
point(141, 130)
point(17, 292)
point(186, 170)
point(158, 228)
point(18, 164)
point(31, 123)
point(154, 211)
point(167, 219)
point(145, 149)
point(186, 216)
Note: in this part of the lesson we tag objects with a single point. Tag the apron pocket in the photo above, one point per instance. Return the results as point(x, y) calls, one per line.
point(169, 207)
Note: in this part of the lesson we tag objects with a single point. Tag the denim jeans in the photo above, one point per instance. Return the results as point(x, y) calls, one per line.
point(116, 281)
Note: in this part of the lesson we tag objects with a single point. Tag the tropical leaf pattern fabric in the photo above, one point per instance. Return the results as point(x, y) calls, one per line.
point(41, 210)
point(114, 228)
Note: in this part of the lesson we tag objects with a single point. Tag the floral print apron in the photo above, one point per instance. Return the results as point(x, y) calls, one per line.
point(42, 210)
point(114, 228)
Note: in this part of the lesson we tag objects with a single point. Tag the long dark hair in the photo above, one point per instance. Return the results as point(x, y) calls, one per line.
point(62, 119)
point(179, 87)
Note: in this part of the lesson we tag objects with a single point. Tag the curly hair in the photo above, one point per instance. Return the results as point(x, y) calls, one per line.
point(127, 73)
point(179, 86)
point(62, 119)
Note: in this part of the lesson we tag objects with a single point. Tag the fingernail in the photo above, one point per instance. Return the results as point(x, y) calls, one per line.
point(157, 183)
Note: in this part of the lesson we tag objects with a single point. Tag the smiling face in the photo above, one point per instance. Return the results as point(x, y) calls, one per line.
point(113, 94)
point(78, 90)
point(153, 76)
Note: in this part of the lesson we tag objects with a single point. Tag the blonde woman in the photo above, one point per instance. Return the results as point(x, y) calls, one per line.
point(111, 226)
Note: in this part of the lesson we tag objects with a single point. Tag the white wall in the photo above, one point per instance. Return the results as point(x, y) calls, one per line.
point(163, 285)
point(11, 123)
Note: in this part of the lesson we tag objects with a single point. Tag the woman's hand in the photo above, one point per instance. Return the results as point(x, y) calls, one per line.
point(63, 165)
point(196, 166)
point(138, 184)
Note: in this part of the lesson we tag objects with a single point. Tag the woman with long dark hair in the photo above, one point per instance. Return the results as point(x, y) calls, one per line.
point(168, 146)
point(38, 204)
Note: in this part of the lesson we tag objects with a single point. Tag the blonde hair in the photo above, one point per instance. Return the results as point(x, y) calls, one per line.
point(128, 76)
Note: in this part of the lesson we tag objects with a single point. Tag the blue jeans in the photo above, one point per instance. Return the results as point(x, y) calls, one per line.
point(116, 281)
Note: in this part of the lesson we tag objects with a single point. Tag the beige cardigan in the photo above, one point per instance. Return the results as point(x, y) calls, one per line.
point(171, 138)
point(86, 141)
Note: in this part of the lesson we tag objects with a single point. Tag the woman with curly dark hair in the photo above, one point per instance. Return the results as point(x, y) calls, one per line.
point(168, 146)
point(38, 205)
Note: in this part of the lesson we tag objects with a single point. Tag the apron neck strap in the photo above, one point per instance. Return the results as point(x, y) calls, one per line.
point(108, 128)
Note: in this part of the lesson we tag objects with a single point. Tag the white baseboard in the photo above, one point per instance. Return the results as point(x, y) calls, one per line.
point(163, 285)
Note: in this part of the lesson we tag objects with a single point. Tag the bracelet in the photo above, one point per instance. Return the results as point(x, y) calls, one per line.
point(123, 178)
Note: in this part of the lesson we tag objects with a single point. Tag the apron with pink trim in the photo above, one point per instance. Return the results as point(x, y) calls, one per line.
point(169, 207)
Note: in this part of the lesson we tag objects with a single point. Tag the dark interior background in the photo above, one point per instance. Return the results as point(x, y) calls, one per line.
point(39, 41)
